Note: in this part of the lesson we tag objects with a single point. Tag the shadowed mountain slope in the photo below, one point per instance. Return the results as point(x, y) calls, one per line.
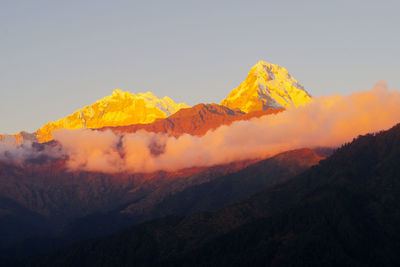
point(204, 190)
point(197, 120)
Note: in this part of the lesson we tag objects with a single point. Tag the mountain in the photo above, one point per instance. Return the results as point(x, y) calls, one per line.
point(342, 212)
point(209, 190)
point(38, 200)
point(197, 120)
point(81, 205)
point(66, 205)
point(231, 187)
point(52, 190)
point(267, 86)
point(57, 196)
point(118, 109)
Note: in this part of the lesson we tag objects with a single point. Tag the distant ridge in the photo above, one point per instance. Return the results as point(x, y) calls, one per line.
point(197, 120)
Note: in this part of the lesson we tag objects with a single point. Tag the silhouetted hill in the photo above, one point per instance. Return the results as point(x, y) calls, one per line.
point(342, 212)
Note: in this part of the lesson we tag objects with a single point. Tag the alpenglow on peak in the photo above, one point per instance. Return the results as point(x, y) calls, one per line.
point(267, 86)
point(118, 109)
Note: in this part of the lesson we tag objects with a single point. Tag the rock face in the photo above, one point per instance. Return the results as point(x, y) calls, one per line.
point(267, 86)
point(197, 120)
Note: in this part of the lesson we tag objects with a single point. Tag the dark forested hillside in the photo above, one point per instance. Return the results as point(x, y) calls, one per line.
point(213, 194)
point(205, 191)
point(51, 195)
point(238, 185)
point(342, 212)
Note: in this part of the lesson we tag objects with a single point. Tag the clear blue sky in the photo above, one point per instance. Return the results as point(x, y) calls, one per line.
point(58, 56)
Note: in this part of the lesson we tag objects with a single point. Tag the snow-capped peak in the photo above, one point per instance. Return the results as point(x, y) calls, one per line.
point(267, 86)
point(118, 109)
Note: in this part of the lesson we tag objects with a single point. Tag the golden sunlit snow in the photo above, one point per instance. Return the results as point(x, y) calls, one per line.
point(119, 109)
point(267, 86)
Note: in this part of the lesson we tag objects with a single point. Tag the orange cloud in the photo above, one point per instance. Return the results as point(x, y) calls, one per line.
point(328, 121)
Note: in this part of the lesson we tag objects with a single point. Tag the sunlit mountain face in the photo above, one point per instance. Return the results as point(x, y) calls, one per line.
point(118, 109)
point(267, 86)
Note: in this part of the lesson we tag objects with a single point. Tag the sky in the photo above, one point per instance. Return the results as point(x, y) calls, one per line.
point(58, 56)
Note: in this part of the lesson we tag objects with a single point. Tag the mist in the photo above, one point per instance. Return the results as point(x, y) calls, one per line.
point(29, 153)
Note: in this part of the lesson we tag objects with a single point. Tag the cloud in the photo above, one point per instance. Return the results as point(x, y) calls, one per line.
point(328, 121)
point(29, 153)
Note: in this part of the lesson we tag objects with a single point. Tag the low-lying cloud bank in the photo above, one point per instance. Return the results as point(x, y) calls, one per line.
point(327, 121)
point(29, 152)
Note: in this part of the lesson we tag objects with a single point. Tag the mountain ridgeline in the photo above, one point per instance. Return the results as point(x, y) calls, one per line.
point(267, 89)
point(197, 120)
point(118, 109)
